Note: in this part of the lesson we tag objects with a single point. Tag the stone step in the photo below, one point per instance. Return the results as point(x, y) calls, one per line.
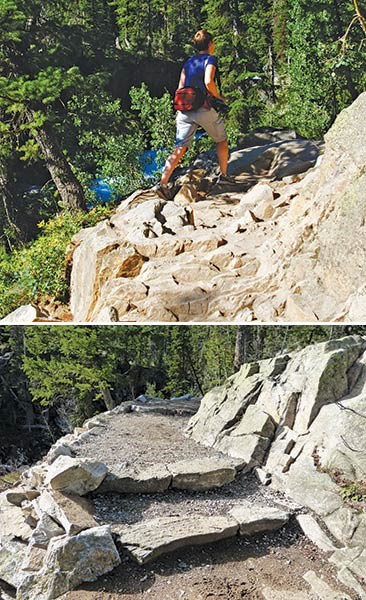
point(194, 475)
point(322, 590)
point(149, 539)
point(315, 533)
point(272, 594)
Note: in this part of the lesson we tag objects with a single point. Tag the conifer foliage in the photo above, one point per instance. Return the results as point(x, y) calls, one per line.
point(78, 371)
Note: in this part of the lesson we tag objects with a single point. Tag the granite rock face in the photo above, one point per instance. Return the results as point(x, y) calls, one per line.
point(301, 419)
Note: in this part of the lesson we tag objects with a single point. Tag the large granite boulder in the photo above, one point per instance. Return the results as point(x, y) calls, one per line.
point(69, 562)
point(75, 475)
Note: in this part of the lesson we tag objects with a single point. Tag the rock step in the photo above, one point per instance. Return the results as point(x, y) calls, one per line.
point(272, 594)
point(322, 590)
point(315, 533)
point(147, 540)
point(199, 474)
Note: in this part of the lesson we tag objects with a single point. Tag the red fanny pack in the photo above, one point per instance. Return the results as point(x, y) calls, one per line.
point(189, 98)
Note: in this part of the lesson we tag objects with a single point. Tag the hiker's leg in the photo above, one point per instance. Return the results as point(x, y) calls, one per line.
point(172, 162)
point(186, 128)
point(213, 123)
point(222, 149)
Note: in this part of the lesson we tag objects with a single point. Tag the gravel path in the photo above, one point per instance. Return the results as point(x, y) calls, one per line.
point(142, 440)
point(134, 508)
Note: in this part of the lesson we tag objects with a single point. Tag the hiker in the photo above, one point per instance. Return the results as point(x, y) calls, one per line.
point(198, 72)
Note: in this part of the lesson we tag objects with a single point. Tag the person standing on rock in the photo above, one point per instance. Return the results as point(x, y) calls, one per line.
point(198, 71)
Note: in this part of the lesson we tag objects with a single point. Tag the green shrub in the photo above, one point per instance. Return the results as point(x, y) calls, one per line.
point(354, 492)
point(39, 269)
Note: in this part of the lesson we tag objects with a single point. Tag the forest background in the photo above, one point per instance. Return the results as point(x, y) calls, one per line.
point(85, 91)
point(53, 378)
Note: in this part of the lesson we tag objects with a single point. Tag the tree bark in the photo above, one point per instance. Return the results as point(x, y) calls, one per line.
point(67, 184)
point(360, 16)
point(108, 398)
point(6, 203)
point(243, 339)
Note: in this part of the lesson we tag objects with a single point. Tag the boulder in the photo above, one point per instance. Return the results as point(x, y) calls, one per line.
point(72, 512)
point(22, 315)
point(61, 449)
point(34, 558)
point(17, 495)
point(75, 475)
point(34, 477)
point(12, 522)
point(45, 530)
point(12, 554)
point(69, 562)
point(315, 533)
point(322, 590)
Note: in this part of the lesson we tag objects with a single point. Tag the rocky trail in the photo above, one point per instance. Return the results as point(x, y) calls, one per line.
point(253, 568)
point(286, 243)
point(238, 501)
point(256, 567)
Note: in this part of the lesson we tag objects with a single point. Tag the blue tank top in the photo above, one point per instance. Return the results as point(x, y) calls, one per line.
point(194, 68)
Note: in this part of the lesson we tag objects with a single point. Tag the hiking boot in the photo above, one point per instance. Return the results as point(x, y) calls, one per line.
point(163, 191)
point(225, 179)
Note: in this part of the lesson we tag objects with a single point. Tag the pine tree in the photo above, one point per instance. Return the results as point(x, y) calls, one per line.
point(319, 68)
point(36, 69)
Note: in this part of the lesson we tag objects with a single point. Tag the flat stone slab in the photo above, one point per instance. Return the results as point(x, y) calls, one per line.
point(256, 519)
point(201, 474)
point(322, 589)
point(72, 512)
point(147, 481)
point(315, 533)
point(195, 475)
point(150, 539)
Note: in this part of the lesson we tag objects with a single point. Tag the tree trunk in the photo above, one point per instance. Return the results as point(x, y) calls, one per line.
point(360, 16)
point(6, 204)
point(67, 184)
point(108, 398)
point(243, 339)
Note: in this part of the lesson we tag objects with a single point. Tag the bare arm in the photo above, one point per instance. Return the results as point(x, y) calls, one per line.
point(210, 81)
point(182, 79)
